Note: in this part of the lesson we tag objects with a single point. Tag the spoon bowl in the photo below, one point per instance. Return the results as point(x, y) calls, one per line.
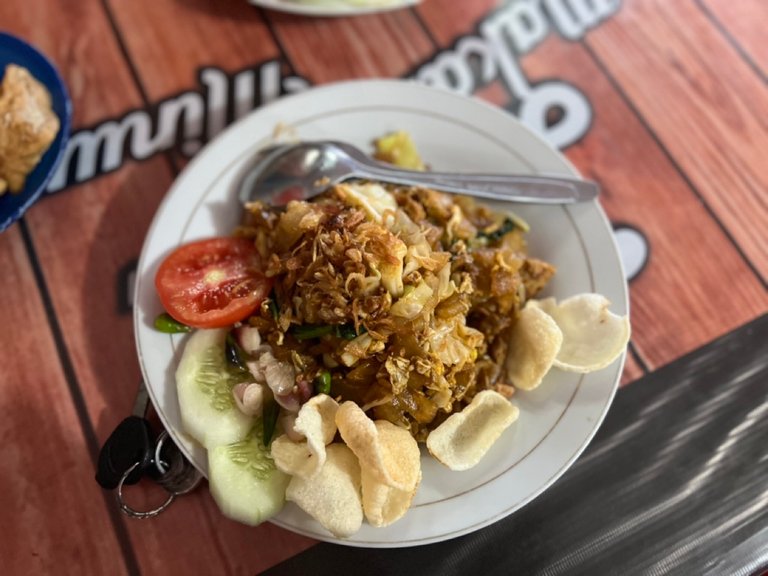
point(287, 172)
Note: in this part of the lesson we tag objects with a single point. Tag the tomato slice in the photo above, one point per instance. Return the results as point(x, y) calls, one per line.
point(212, 283)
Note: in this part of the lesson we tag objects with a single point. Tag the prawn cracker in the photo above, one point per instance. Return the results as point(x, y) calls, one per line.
point(465, 437)
point(536, 339)
point(316, 422)
point(593, 336)
point(383, 504)
point(332, 496)
point(385, 450)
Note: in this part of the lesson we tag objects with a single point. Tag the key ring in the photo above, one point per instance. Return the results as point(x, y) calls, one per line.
point(160, 464)
point(137, 513)
point(173, 471)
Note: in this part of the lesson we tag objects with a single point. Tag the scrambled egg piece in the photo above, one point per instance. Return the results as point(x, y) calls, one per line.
point(28, 126)
point(399, 149)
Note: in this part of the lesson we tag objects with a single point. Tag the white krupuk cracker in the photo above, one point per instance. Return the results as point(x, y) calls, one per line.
point(534, 344)
point(593, 336)
point(383, 504)
point(386, 451)
point(295, 458)
point(465, 437)
point(332, 496)
point(316, 422)
point(317, 419)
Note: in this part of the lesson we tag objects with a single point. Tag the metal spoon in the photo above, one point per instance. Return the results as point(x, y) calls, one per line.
point(306, 169)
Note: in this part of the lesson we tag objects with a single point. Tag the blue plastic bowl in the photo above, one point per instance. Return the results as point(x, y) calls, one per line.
point(16, 51)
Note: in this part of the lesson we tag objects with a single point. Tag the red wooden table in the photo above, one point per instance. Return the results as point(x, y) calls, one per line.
point(667, 104)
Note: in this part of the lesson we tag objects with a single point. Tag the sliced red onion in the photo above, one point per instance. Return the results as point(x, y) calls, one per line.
point(249, 398)
point(256, 371)
point(253, 399)
point(248, 338)
point(305, 390)
point(279, 375)
point(289, 401)
point(238, 392)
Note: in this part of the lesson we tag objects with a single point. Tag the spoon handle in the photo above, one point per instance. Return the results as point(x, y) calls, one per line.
point(519, 188)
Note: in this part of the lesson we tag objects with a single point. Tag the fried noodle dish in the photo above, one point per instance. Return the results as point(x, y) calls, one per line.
point(332, 336)
point(406, 297)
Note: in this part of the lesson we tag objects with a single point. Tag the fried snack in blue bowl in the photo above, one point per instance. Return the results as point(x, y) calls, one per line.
point(35, 118)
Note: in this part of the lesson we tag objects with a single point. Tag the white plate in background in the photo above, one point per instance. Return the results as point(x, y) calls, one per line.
point(333, 8)
point(452, 132)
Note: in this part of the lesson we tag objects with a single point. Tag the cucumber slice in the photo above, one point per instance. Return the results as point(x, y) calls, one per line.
point(204, 383)
point(244, 481)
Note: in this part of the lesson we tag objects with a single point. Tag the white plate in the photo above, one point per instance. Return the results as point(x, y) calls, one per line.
point(452, 132)
point(337, 9)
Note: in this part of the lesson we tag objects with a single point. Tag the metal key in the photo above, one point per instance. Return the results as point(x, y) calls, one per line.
point(129, 451)
point(177, 474)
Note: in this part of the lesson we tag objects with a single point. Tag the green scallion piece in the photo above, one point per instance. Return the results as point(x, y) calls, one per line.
point(235, 354)
point(346, 331)
point(507, 226)
point(269, 415)
point(323, 383)
point(309, 331)
point(165, 323)
point(273, 309)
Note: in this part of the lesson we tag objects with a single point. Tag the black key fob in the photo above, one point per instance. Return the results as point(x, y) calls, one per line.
point(131, 444)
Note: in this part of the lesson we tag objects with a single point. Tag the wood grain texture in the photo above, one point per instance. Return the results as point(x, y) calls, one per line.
point(83, 245)
point(705, 104)
point(694, 306)
point(229, 34)
point(82, 238)
point(192, 537)
point(744, 21)
point(328, 50)
point(46, 473)
point(447, 20)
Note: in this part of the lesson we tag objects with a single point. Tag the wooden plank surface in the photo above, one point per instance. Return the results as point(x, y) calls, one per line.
point(82, 238)
point(744, 23)
point(344, 48)
point(85, 236)
point(228, 35)
point(46, 472)
point(677, 141)
point(705, 105)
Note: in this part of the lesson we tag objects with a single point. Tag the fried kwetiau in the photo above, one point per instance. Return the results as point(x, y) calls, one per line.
point(28, 126)
point(406, 296)
point(395, 315)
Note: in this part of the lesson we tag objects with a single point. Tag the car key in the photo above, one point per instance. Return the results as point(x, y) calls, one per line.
point(129, 451)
